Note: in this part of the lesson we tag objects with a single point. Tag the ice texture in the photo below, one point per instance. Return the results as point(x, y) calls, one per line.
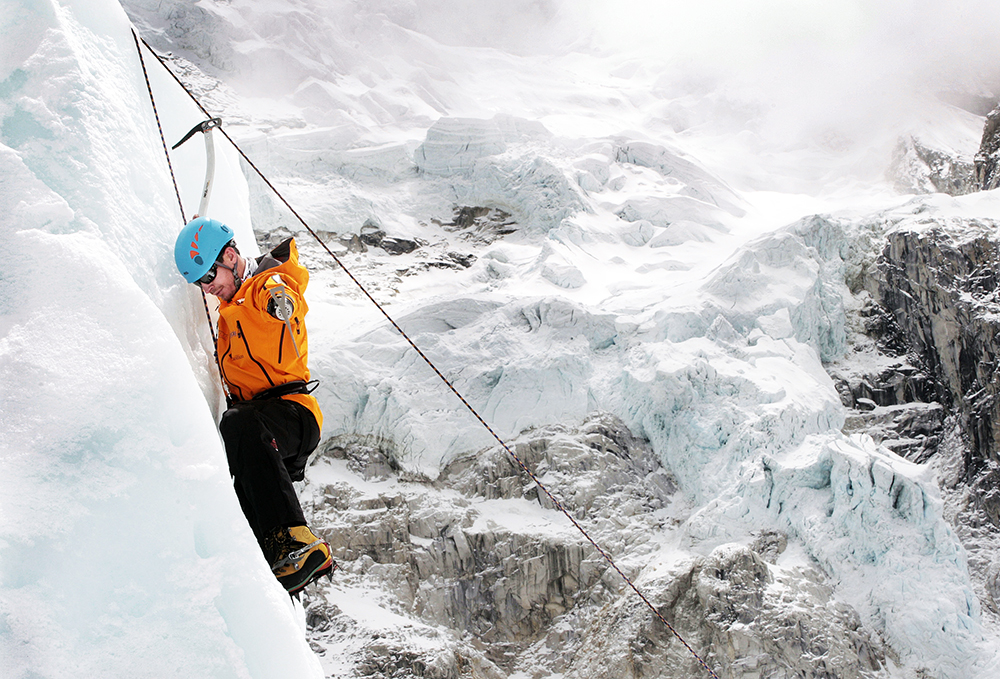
point(123, 551)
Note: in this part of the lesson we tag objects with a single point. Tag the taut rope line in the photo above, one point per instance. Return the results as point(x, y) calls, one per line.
point(556, 503)
point(180, 203)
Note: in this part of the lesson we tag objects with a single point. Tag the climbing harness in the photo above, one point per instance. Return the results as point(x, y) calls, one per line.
point(286, 389)
point(555, 502)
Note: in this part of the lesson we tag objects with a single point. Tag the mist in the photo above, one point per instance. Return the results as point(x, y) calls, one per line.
point(838, 75)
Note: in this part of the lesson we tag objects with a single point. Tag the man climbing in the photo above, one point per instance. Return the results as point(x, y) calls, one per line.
point(273, 422)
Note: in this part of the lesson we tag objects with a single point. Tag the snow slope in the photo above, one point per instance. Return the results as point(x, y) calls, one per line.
point(665, 265)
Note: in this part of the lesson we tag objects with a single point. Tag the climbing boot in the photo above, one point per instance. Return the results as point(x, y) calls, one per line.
point(297, 556)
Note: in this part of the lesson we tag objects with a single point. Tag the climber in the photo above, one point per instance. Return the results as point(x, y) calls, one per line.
point(273, 422)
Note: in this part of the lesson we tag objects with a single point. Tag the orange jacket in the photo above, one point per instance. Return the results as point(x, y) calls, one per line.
point(262, 332)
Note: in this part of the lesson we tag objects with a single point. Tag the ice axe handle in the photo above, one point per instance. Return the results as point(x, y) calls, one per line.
point(205, 126)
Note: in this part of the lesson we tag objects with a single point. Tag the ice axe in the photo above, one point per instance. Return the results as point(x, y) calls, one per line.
point(207, 128)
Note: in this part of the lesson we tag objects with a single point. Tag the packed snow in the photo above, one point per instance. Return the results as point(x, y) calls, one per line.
point(667, 240)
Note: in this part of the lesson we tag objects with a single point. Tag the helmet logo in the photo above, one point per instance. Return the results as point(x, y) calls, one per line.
point(194, 248)
point(199, 243)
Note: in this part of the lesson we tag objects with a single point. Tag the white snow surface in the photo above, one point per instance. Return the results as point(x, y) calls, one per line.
point(675, 262)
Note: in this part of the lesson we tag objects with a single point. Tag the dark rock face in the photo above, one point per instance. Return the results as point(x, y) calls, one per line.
point(398, 246)
point(372, 235)
point(940, 286)
point(480, 224)
point(898, 404)
point(918, 168)
point(941, 290)
point(988, 159)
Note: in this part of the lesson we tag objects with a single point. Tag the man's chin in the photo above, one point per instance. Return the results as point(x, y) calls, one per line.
point(225, 295)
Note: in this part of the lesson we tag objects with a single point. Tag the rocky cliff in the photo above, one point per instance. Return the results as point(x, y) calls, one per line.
point(931, 313)
point(529, 597)
point(987, 161)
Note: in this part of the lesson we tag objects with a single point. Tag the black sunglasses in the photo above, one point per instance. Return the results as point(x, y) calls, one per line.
point(209, 275)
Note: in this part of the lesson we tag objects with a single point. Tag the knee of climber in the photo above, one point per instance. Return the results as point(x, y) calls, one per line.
point(236, 421)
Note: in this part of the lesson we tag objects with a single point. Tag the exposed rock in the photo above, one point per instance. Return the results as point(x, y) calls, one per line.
point(481, 224)
point(890, 395)
point(880, 324)
point(988, 157)
point(398, 246)
point(268, 240)
point(941, 285)
point(371, 233)
point(503, 585)
point(897, 384)
point(935, 315)
point(912, 430)
point(464, 260)
point(917, 168)
point(354, 243)
point(523, 592)
point(769, 545)
point(745, 619)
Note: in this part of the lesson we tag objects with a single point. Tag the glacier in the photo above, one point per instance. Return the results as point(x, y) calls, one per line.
point(641, 257)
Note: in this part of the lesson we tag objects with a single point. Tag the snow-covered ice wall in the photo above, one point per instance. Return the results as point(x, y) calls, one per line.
point(123, 551)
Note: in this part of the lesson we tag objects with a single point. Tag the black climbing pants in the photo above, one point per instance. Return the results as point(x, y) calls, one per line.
point(268, 444)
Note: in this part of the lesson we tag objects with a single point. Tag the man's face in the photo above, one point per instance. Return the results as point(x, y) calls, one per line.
point(223, 285)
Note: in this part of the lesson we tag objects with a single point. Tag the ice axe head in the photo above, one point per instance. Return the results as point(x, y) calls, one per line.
point(205, 126)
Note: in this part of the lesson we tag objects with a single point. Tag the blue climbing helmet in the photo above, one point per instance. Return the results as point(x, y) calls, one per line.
point(198, 246)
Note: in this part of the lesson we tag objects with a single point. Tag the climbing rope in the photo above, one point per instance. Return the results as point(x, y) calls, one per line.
point(555, 502)
point(177, 191)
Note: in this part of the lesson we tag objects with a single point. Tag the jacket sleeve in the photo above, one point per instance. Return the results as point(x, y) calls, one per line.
point(280, 298)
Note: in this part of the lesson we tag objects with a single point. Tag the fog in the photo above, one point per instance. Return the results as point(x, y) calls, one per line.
point(791, 72)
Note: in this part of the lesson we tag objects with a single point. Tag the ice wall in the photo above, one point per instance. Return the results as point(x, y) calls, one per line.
point(122, 548)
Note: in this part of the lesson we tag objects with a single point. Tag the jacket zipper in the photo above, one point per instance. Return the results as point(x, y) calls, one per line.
point(247, 345)
point(222, 367)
